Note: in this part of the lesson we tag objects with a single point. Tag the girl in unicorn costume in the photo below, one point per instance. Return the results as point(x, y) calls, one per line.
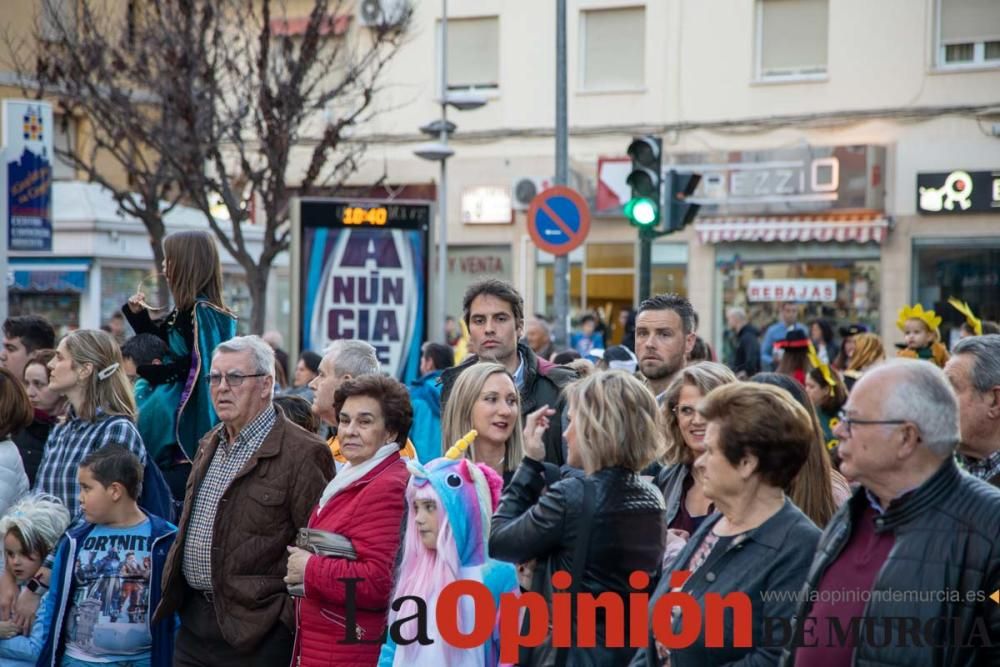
point(450, 500)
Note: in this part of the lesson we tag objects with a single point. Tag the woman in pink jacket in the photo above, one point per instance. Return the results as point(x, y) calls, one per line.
point(365, 503)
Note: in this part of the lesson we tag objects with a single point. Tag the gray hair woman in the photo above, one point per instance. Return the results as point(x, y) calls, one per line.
point(758, 543)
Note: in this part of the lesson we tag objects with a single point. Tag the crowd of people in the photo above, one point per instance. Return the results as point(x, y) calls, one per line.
point(169, 499)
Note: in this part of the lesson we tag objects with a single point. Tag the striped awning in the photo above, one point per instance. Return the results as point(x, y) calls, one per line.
point(822, 228)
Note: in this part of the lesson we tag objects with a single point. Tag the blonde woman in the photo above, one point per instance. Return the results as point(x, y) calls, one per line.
point(485, 398)
point(601, 528)
point(868, 351)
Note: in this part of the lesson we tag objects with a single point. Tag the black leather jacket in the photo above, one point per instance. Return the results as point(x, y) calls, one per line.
point(947, 540)
point(628, 533)
point(543, 384)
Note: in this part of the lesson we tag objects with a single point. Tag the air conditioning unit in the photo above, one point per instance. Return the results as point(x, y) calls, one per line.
point(382, 13)
point(524, 189)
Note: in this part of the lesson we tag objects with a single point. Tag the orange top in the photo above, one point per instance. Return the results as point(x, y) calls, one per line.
point(408, 452)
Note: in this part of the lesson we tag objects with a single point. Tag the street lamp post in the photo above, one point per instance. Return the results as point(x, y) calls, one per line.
point(440, 151)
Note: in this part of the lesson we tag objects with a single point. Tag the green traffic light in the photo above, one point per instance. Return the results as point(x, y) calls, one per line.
point(641, 211)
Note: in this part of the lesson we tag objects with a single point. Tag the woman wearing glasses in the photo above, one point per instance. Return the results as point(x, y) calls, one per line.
point(199, 322)
point(687, 505)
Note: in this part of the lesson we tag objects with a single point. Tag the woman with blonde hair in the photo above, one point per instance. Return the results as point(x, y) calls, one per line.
point(613, 433)
point(199, 322)
point(868, 351)
point(485, 398)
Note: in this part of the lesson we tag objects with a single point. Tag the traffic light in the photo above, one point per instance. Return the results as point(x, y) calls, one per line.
point(645, 180)
point(679, 213)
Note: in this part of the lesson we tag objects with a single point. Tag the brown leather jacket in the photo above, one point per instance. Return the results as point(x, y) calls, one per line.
point(258, 516)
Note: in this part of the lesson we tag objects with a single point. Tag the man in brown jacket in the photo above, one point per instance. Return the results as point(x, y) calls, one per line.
point(253, 483)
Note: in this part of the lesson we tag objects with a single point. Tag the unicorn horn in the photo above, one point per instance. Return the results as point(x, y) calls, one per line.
point(456, 450)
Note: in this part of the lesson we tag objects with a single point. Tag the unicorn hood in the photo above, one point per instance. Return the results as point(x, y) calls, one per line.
point(469, 493)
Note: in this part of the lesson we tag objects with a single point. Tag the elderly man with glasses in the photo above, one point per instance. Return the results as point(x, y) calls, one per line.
point(904, 572)
point(253, 483)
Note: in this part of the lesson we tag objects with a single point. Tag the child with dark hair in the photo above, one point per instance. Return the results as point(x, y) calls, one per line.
point(89, 621)
point(299, 411)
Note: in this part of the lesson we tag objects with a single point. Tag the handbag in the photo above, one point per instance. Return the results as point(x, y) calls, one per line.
point(321, 543)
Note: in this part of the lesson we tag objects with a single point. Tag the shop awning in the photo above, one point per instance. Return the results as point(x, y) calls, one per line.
point(825, 228)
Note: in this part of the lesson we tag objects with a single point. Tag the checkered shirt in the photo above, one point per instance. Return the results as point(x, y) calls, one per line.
point(984, 469)
point(71, 441)
point(227, 462)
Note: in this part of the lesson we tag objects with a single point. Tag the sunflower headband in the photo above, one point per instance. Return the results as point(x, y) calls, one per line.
point(823, 369)
point(917, 312)
point(974, 322)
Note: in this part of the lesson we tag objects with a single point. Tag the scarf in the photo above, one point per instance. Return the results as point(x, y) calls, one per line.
point(351, 473)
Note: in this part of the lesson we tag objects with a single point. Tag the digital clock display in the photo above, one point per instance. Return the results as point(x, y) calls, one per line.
point(358, 214)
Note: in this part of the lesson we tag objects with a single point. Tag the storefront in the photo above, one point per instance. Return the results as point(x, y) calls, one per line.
point(966, 267)
point(804, 224)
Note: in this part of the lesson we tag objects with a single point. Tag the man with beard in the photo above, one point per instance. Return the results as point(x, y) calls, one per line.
point(664, 336)
point(494, 313)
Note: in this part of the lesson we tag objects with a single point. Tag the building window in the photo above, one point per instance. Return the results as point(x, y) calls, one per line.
point(473, 53)
point(792, 39)
point(612, 49)
point(63, 139)
point(57, 20)
point(966, 270)
point(968, 33)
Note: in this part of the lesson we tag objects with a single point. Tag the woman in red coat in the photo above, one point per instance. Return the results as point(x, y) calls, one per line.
point(365, 503)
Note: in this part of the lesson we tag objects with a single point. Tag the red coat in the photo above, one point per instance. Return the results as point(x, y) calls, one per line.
point(369, 512)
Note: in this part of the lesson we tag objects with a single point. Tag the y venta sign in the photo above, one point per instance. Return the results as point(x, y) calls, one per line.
point(821, 290)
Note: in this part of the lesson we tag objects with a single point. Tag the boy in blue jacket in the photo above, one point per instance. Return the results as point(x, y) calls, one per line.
point(105, 583)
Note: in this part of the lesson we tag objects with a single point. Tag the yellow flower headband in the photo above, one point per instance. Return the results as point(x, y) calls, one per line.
point(823, 369)
point(974, 322)
point(917, 312)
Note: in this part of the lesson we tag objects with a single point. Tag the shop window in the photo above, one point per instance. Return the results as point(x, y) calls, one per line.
point(968, 33)
point(792, 39)
point(612, 49)
point(855, 298)
point(971, 274)
point(473, 53)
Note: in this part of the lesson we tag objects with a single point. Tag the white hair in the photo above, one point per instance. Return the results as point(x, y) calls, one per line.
point(261, 354)
point(737, 312)
point(40, 519)
point(353, 357)
point(985, 353)
point(921, 394)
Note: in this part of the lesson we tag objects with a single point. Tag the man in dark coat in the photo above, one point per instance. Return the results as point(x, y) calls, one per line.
point(974, 372)
point(494, 312)
point(745, 361)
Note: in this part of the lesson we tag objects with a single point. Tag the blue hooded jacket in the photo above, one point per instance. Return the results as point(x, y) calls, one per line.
point(56, 603)
point(425, 432)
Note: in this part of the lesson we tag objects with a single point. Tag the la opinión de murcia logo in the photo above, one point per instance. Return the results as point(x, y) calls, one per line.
point(693, 620)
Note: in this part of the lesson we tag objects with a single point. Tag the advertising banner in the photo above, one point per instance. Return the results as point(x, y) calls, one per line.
point(27, 140)
point(363, 276)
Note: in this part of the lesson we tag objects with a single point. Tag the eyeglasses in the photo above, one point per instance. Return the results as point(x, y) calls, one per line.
point(685, 411)
point(848, 422)
point(232, 379)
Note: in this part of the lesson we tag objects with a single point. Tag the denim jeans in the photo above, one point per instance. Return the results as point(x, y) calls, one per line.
point(73, 662)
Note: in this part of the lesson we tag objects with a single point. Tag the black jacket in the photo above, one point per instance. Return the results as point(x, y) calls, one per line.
point(746, 351)
point(773, 557)
point(30, 444)
point(947, 547)
point(670, 481)
point(628, 533)
point(543, 383)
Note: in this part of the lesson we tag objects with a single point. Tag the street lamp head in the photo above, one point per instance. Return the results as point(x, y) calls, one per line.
point(465, 100)
point(433, 128)
point(434, 151)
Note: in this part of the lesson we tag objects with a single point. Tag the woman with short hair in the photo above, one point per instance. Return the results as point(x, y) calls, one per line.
point(47, 407)
point(601, 527)
point(758, 543)
point(365, 504)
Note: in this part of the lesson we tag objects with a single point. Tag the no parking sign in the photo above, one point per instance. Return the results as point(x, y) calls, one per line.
point(558, 220)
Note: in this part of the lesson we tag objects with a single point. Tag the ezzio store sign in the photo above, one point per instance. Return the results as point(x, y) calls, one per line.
point(958, 192)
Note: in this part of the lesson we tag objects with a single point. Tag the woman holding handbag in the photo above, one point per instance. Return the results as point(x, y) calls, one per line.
point(600, 528)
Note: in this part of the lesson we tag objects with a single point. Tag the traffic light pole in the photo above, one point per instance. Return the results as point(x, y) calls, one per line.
point(561, 267)
point(646, 238)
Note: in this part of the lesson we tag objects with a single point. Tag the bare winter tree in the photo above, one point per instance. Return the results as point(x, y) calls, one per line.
point(216, 102)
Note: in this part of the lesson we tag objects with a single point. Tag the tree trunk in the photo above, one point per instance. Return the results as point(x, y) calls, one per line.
point(257, 282)
point(162, 289)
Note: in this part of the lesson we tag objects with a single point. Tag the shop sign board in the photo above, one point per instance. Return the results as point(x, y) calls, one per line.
point(800, 180)
point(793, 289)
point(957, 192)
point(27, 188)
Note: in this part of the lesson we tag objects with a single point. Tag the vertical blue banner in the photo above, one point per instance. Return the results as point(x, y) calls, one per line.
point(27, 140)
